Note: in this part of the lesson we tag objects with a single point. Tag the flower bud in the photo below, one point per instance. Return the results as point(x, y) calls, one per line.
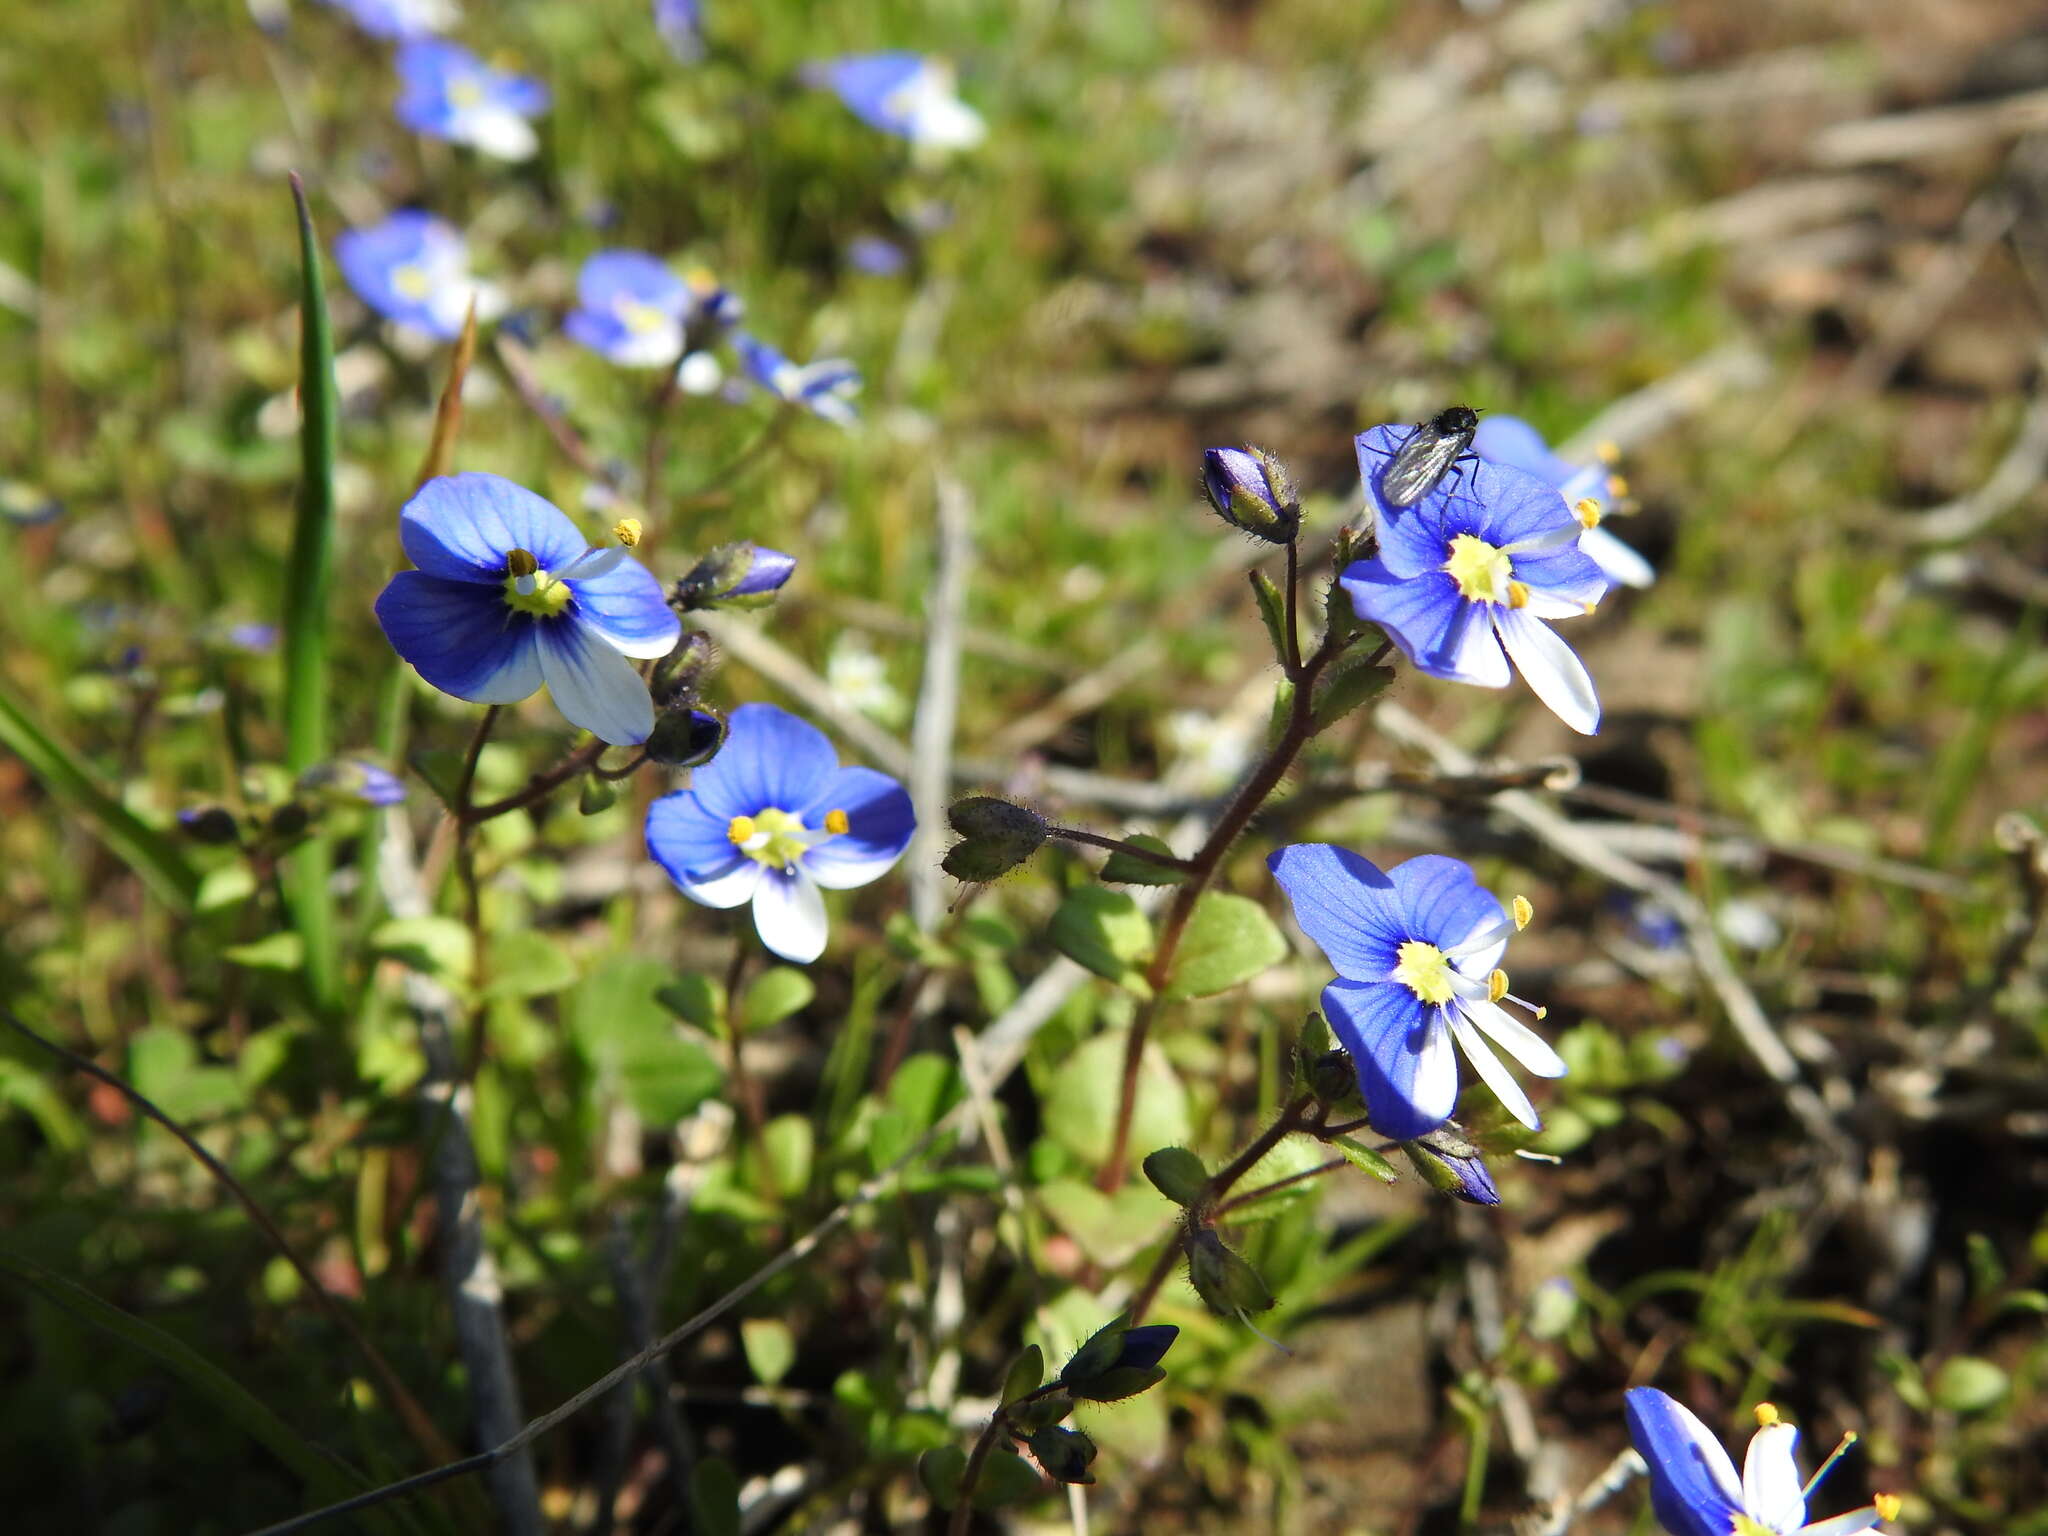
point(1035, 1413)
point(1333, 1078)
point(685, 737)
point(1249, 489)
point(354, 780)
point(679, 674)
point(1451, 1165)
point(289, 821)
point(1223, 1279)
point(1118, 1362)
point(1177, 1174)
point(1064, 1454)
point(209, 824)
point(740, 575)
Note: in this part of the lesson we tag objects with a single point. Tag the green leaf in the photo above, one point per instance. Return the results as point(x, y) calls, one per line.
point(163, 1064)
point(715, 1498)
point(150, 853)
point(1272, 613)
point(941, 1471)
point(1969, 1384)
point(439, 947)
point(272, 952)
point(327, 1478)
point(776, 994)
point(1122, 869)
point(632, 1045)
point(1109, 1229)
point(789, 1145)
point(228, 886)
point(770, 1347)
point(1362, 1157)
point(695, 999)
point(308, 575)
point(1177, 1174)
point(1229, 939)
point(1350, 683)
point(1105, 932)
point(1081, 1106)
point(533, 966)
point(1026, 1374)
point(1006, 1478)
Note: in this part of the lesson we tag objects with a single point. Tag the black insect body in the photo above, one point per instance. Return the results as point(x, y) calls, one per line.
point(1426, 454)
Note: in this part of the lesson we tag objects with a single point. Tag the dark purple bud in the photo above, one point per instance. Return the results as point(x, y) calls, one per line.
point(679, 674)
point(738, 575)
point(1451, 1165)
point(1250, 489)
point(686, 738)
point(209, 824)
point(353, 779)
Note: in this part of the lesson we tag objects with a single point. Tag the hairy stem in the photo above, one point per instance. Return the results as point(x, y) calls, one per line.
point(1118, 845)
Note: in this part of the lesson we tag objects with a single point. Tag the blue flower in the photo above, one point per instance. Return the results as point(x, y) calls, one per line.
point(413, 268)
point(825, 388)
point(875, 256)
point(508, 597)
point(906, 94)
point(26, 505)
point(773, 819)
point(400, 18)
point(354, 779)
point(1512, 441)
point(1466, 576)
point(1693, 1487)
point(681, 25)
point(631, 309)
point(449, 93)
point(1416, 951)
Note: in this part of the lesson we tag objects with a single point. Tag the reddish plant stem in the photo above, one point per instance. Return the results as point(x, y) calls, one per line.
point(538, 788)
point(1117, 845)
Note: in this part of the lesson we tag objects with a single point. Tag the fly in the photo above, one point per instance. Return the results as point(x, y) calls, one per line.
point(1428, 452)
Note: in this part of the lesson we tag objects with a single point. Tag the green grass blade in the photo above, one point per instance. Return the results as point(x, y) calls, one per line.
point(151, 854)
point(307, 582)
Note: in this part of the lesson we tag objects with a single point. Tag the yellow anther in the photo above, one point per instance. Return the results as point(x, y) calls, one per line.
point(836, 823)
point(1541, 1013)
point(1616, 486)
point(1608, 453)
point(1588, 512)
point(1518, 595)
point(1766, 1415)
point(739, 830)
point(1886, 1505)
point(1524, 910)
point(1496, 986)
point(627, 530)
point(520, 562)
point(1589, 607)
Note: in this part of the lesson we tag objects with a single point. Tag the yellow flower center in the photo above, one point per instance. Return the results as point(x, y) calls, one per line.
point(1744, 1526)
point(532, 590)
point(641, 319)
point(412, 280)
point(465, 93)
point(777, 838)
point(1483, 573)
point(1424, 970)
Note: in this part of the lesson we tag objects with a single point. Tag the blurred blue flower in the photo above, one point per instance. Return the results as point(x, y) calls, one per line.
point(630, 308)
point(906, 94)
point(1512, 441)
point(401, 18)
point(1466, 576)
point(875, 256)
point(354, 778)
point(826, 387)
point(413, 268)
point(257, 639)
point(26, 505)
point(681, 25)
point(773, 819)
point(508, 597)
point(449, 93)
point(1693, 1487)
point(1416, 952)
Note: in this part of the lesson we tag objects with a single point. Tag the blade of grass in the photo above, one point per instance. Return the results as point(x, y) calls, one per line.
point(307, 580)
point(140, 846)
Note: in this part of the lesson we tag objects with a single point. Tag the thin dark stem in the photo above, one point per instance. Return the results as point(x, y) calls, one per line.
point(1235, 1202)
point(970, 1478)
point(745, 1089)
point(624, 771)
point(1292, 660)
point(1117, 845)
point(657, 439)
point(539, 787)
point(472, 897)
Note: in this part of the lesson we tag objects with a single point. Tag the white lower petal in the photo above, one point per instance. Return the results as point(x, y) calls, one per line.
point(1490, 1070)
point(1771, 1487)
point(1616, 559)
point(1843, 1525)
point(1435, 1090)
point(498, 132)
point(789, 914)
point(1551, 668)
point(656, 348)
point(1515, 1037)
point(734, 888)
point(594, 686)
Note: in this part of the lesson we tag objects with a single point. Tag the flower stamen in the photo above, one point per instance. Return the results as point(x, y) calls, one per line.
point(836, 823)
point(628, 531)
point(1588, 512)
point(1424, 970)
point(739, 831)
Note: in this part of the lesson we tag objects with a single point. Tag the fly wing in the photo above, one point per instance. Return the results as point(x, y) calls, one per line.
point(1419, 463)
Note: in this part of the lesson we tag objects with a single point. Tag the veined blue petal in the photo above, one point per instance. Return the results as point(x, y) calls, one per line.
point(461, 528)
point(612, 275)
point(789, 914)
point(1566, 573)
point(1512, 441)
point(688, 841)
point(627, 607)
point(1436, 628)
point(461, 637)
point(1346, 904)
point(770, 759)
point(1402, 1049)
point(879, 827)
point(1692, 1482)
point(593, 685)
point(1440, 901)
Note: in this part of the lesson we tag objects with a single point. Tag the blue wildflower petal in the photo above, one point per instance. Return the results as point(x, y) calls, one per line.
point(627, 606)
point(1401, 1047)
point(1441, 901)
point(770, 760)
point(1512, 441)
point(593, 684)
point(767, 570)
point(372, 257)
point(681, 25)
point(879, 827)
point(1343, 902)
point(610, 276)
point(867, 82)
point(1693, 1487)
point(461, 637)
point(689, 842)
point(1514, 506)
point(1435, 627)
point(400, 18)
point(1561, 581)
point(461, 527)
point(789, 915)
